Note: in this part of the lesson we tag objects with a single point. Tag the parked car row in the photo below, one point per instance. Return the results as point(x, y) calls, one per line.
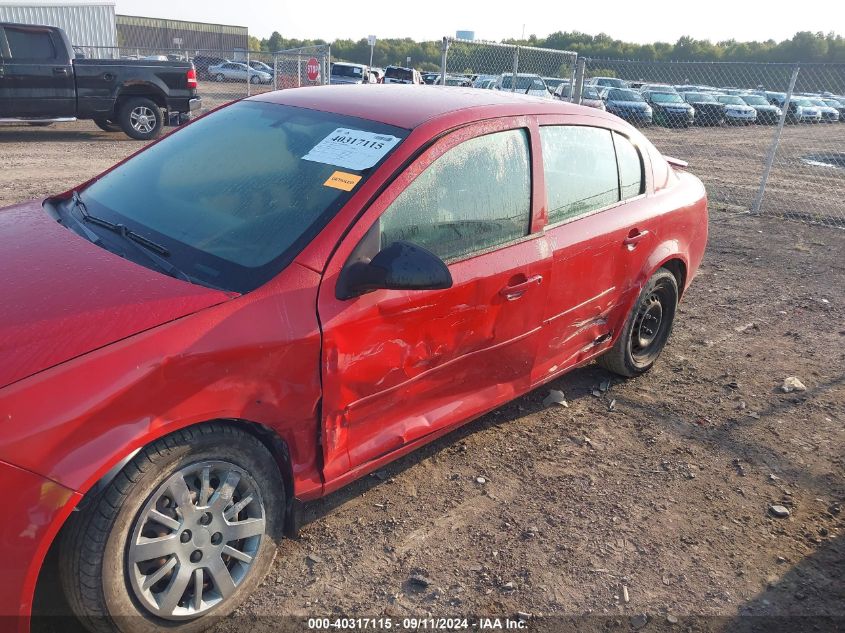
point(688, 104)
point(351, 73)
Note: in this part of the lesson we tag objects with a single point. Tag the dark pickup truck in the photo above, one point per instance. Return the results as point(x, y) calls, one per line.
point(42, 81)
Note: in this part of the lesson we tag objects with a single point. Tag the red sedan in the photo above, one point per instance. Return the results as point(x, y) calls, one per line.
point(289, 293)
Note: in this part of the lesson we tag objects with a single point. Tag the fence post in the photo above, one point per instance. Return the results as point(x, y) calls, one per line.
point(578, 86)
point(770, 159)
point(574, 75)
point(444, 48)
point(327, 60)
point(275, 71)
point(515, 68)
point(248, 73)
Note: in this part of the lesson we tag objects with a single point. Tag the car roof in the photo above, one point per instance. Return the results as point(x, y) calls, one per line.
point(408, 106)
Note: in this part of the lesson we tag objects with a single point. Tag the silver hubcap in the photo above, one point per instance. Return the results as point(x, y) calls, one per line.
point(195, 540)
point(142, 119)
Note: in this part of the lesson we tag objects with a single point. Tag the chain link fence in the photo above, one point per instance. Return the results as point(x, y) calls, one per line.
point(767, 138)
point(487, 64)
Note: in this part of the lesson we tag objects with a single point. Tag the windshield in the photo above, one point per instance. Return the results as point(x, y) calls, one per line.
point(806, 103)
point(589, 92)
point(666, 97)
point(237, 194)
point(610, 82)
point(700, 97)
point(817, 102)
point(624, 95)
point(342, 70)
point(404, 74)
point(522, 83)
point(754, 100)
point(833, 103)
point(730, 100)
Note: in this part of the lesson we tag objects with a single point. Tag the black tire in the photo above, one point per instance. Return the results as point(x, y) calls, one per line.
point(631, 355)
point(140, 118)
point(106, 125)
point(97, 573)
point(254, 79)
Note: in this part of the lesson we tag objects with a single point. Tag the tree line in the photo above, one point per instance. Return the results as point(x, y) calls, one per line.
point(804, 47)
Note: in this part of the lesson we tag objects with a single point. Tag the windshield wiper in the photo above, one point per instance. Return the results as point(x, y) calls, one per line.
point(151, 250)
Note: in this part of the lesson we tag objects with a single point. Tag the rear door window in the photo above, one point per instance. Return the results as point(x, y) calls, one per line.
point(30, 44)
point(473, 198)
point(580, 169)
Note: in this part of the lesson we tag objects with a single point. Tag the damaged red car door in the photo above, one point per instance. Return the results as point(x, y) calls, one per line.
point(398, 364)
point(595, 181)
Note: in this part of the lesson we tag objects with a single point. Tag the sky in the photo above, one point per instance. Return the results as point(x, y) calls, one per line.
point(641, 22)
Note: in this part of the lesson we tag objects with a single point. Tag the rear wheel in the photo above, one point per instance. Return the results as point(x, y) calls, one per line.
point(647, 328)
point(187, 529)
point(140, 118)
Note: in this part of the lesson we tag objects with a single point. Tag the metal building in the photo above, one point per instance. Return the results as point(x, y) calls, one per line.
point(134, 31)
point(87, 23)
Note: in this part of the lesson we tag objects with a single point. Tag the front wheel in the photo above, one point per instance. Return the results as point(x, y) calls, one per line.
point(140, 118)
point(646, 329)
point(254, 79)
point(186, 530)
point(106, 125)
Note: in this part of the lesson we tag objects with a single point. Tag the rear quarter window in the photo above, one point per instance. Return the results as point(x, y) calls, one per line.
point(631, 181)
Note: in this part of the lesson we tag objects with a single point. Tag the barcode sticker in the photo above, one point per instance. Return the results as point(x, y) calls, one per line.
point(352, 149)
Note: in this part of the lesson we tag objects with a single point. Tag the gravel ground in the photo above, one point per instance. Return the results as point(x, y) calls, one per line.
point(643, 497)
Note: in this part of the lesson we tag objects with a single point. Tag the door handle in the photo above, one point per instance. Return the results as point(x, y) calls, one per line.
point(60, 71)
point(515, 291)
point(635, 237)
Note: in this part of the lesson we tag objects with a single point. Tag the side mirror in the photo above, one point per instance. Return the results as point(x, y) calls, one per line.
point(399, 266)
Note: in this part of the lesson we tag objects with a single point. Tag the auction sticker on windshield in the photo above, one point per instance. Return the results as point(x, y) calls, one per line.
point(342, 180)
point(352, 149)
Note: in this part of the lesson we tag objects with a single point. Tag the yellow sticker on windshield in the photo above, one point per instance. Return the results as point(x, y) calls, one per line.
point(342, 180)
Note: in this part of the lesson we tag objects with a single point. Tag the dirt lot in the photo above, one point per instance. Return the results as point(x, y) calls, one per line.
point(650, 498)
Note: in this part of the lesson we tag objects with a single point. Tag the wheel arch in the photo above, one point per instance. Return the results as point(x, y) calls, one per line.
point(678, 268)
point(149, 91)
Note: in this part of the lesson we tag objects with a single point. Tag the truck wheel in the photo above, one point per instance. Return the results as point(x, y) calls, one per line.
point(106, 125)
point(140, 118)
point(646, 329)
point(185, 531)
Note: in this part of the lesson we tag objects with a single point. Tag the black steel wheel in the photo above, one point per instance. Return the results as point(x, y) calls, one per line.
point(646, 329)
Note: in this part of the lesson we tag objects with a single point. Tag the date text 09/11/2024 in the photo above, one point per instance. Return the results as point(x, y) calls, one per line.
point(415, 624)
